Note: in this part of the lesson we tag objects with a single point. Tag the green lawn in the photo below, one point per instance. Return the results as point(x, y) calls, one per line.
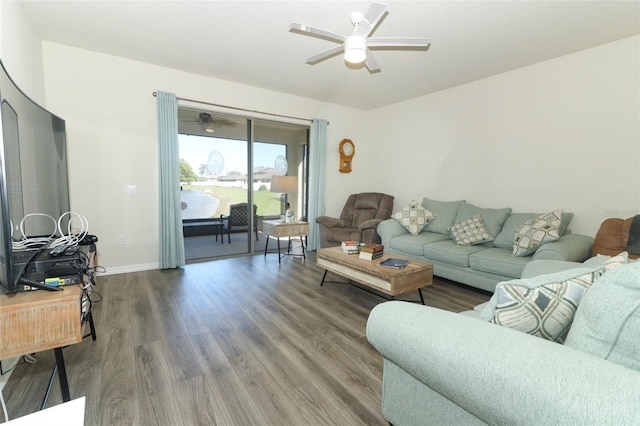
point(268, 202)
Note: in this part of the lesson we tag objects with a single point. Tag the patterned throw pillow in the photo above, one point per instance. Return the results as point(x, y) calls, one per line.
point(470, 232)
point(545, 311)
point(414, 217)
point(532, 234)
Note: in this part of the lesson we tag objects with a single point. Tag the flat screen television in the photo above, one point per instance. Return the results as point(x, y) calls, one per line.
point(33, 176)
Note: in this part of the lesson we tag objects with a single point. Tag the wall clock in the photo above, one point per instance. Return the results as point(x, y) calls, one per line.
point(347, 149)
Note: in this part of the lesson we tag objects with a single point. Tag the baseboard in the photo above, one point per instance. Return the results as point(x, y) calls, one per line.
point(130, 268)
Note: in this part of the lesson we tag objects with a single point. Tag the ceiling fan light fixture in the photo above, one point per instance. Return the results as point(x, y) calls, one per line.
point(206, 122)
point(355, 49)
point(207, 126)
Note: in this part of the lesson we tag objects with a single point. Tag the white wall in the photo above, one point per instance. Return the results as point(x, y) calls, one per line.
point(563, 133)
point(21, 51)
point(560, 134)
point(111, 122)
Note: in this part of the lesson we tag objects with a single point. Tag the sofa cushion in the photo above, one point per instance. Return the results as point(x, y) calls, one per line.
point(489, 312)
point(414, 217)
point(607, 323)
point(505, 238)
point(493, 218)
point(450, 252)
point(470, 232)
point(532, 234)
point(415, 245)
point(544, 311)
point(546, 266)
point(343, 234)
point(498, 261)
point(445, 212)
point(480, 307)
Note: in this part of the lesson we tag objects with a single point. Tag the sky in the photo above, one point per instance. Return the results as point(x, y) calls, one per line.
point(196, 149)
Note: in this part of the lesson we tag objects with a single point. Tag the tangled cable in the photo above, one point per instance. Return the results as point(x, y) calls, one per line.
point(69, 239)
point(59, 236)
point(34, 242)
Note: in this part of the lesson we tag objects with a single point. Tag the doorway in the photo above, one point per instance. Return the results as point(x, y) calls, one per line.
point(227, 164)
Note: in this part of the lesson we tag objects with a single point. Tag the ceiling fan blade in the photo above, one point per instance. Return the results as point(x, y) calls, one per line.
point(224, 122)
point(399, 42)
point(324, 55)
point(370, 19)
point(371, 63)
point(305, 29)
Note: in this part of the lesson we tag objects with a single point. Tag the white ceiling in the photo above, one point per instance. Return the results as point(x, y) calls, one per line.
point(249, 42)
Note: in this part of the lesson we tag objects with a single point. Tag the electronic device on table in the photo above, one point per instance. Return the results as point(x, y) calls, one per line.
point(48, 272)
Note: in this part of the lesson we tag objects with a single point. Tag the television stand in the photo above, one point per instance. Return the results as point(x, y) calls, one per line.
point(49, 320)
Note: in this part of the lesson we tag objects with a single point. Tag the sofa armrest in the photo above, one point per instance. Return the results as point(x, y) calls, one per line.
point(369, 224)
point(330, 222)
point(546, 266)
point(389, 228)
point(571, 247)
point(503, 376)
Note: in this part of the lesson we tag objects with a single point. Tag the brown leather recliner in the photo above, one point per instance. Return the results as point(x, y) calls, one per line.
point(612, 237)
point(358, 221)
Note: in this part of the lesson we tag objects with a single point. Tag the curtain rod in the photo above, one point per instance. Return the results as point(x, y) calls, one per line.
point(239, 109)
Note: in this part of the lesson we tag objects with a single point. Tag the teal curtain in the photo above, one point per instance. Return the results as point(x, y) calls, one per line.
point(317, 174)
point(171, 238)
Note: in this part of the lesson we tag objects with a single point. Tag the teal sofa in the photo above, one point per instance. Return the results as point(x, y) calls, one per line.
point(483, 265)
point(443, 368)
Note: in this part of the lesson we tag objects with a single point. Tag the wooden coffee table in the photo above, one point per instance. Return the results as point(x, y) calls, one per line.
point(369, 273)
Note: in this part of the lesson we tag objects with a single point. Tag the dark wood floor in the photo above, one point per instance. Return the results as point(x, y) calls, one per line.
point(241, 341)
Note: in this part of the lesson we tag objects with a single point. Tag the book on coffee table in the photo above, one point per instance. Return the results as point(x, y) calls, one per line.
point(395, 263)
point(372, 248)
point(370, 256)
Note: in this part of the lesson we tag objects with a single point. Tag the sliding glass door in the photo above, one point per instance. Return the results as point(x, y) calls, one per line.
point(228, 165)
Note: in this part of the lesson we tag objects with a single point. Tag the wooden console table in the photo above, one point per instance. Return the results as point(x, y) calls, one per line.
point(35, 321)
point(277, 229)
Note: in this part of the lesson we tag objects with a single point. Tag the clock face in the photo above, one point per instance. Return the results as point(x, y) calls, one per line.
point(347, 148)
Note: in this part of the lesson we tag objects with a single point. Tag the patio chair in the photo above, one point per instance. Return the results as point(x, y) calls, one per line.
point(238, 219)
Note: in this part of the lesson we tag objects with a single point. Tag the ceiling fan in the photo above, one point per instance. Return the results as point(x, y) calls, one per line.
point(209, 123)
point(356, 46)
